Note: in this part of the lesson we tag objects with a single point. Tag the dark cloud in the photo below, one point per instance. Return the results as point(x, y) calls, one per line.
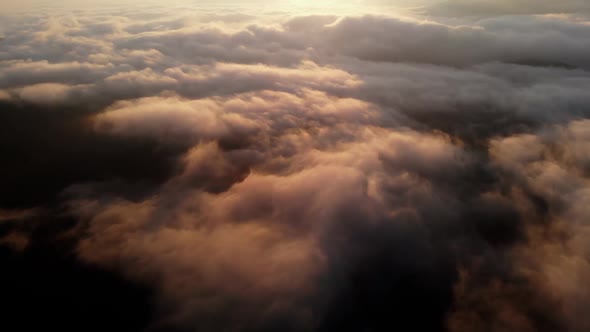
point(261, 171)
point(47, 150)
point(506, 7)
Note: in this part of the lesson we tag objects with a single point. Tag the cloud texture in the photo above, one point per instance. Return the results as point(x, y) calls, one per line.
point(268, 170)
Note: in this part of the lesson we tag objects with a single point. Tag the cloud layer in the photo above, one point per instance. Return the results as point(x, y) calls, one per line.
point(264, 170)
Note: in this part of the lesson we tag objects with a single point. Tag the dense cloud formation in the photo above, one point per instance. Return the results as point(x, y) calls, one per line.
point(215, 168)
point(507, 7)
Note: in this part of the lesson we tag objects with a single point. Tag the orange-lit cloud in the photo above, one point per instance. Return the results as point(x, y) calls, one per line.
point(258, 166)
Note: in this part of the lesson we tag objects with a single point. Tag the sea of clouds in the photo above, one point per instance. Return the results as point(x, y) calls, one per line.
point(356, 167)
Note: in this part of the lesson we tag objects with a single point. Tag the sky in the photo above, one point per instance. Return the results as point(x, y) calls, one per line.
point(305, 166)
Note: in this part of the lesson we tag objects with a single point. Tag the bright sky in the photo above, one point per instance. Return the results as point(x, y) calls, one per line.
point(313, 6)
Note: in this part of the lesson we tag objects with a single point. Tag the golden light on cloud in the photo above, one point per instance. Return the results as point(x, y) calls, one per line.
point(297, 166)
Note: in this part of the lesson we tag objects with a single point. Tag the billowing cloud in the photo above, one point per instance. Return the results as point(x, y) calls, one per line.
point(507, 7)
point(240, 167)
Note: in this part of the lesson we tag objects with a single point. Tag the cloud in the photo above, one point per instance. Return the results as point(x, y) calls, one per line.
point(46, 93)
point(504, 7)
point(495, 39)
point(16, 241)
point(215, 247)
point(17, 73)
point(259, 170)
point(550, 166)
point(4, 96)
